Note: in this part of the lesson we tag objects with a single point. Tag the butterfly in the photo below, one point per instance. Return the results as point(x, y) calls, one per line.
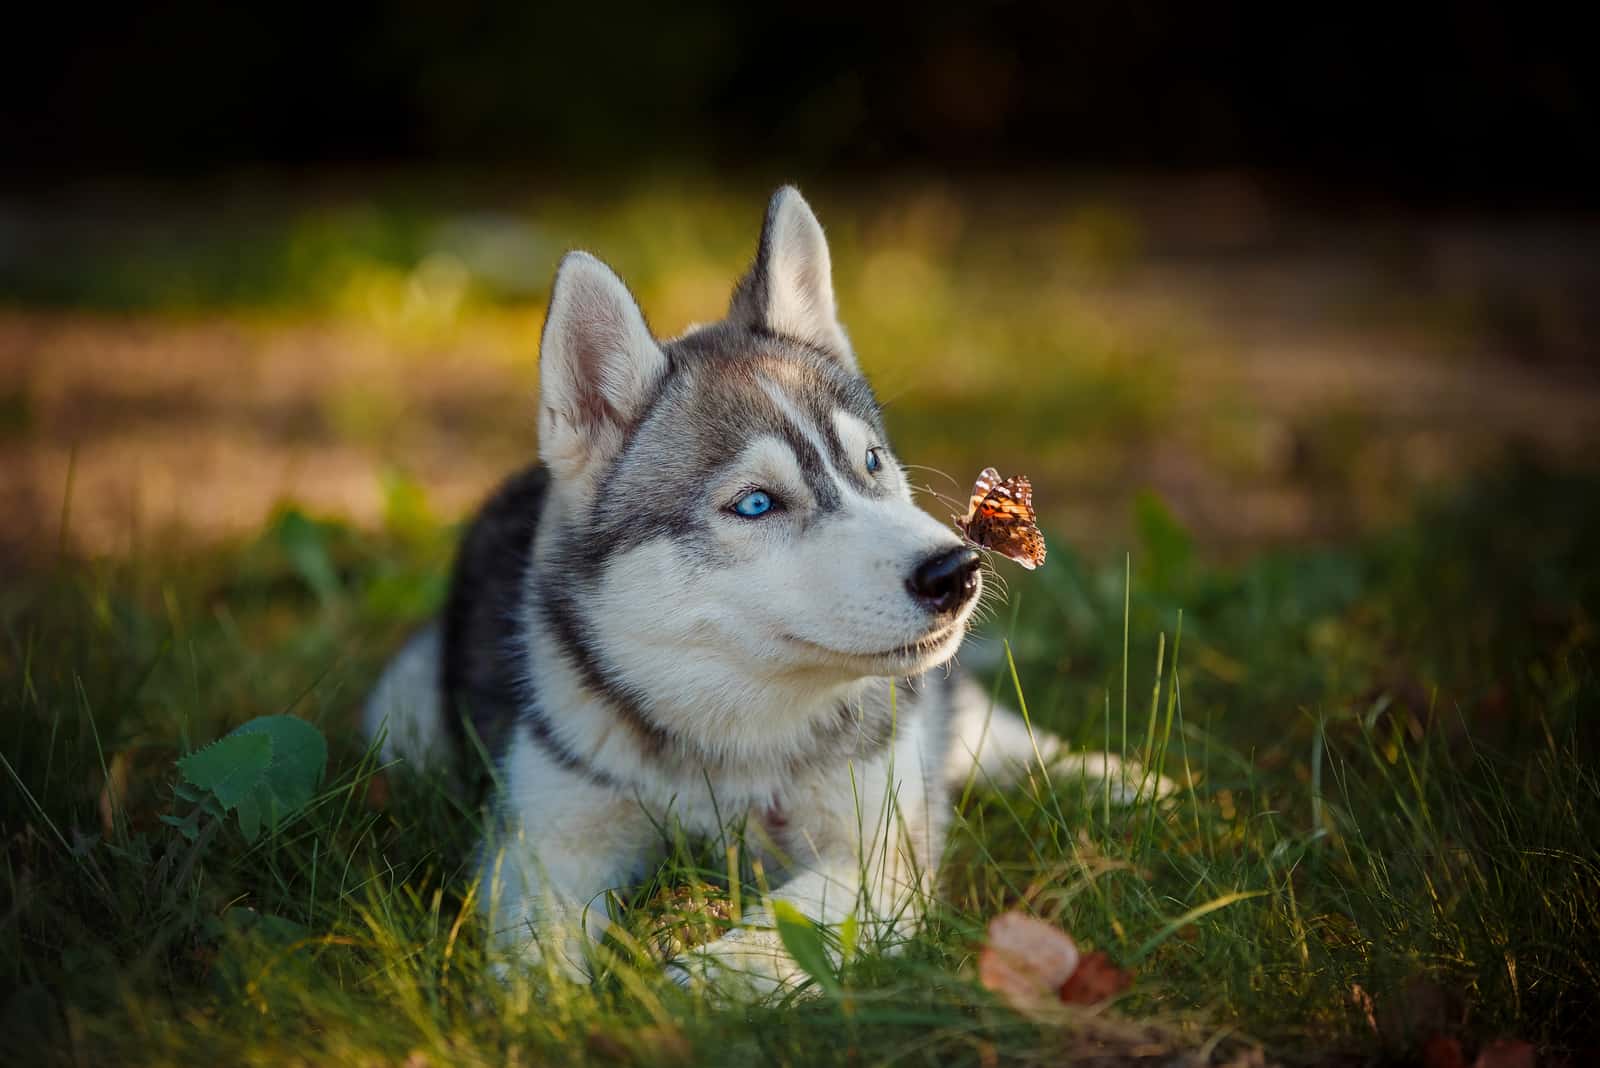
point(1000, 517)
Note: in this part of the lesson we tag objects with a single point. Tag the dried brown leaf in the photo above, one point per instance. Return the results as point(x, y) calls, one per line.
point(1026, 960)
point(1095, 980)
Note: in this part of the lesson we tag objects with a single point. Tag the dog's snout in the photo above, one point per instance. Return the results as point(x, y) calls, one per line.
point(946, 580)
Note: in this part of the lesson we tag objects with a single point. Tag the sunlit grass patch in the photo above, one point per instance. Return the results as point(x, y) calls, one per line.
point(1384, 829)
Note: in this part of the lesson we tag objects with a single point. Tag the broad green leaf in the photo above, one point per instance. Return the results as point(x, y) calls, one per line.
point(231, 767)
point(804, 942)
point(299, 755)
point(264, 770)
point(249, 810)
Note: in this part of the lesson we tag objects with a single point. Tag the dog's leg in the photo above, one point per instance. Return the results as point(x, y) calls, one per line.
point(563, 841)
point(993, 747)
point(865, 842)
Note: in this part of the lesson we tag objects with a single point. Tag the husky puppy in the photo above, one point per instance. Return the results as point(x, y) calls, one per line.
point(712, 603)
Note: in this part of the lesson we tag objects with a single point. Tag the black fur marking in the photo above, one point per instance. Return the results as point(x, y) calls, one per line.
point(852, 467)
point(482, 661)
point(813, 469)
point(538, 727)
point(484, 666)
point(612, 538)
point(559, 611)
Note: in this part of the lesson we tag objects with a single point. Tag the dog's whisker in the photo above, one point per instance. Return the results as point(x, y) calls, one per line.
point(988, 604)
point(942, 474)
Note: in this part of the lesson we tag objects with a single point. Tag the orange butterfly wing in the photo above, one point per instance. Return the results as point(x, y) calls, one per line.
point(1001, 517)
point(988, 479)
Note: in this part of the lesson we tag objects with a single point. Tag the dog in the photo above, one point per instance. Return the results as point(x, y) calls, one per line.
point(712, 602)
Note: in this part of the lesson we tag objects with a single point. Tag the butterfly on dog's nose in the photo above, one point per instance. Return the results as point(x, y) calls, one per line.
point(1000, 517)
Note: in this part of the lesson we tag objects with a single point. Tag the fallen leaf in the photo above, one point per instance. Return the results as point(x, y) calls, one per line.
point(1026, 960)
point(1442, 1051)
point(1095, 980)
point(1506, 1053)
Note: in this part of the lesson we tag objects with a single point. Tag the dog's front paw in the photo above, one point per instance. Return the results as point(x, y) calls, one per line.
point(1126, 782)
point(748, 962)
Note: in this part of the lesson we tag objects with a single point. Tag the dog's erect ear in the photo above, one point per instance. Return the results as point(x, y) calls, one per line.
point(789, 289)
point(598, 366)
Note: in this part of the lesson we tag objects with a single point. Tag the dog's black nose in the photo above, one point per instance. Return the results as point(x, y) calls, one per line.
point(945, 581)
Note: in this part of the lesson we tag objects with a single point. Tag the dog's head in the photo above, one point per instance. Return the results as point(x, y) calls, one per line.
point(727, 504)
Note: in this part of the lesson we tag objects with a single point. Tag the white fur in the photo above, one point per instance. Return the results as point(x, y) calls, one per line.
point(403, 712)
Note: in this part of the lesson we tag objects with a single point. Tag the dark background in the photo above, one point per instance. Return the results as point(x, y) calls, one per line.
point(1491, 104)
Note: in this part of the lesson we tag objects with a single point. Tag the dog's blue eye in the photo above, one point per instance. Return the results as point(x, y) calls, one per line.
point(873, 463)
point(754, 503)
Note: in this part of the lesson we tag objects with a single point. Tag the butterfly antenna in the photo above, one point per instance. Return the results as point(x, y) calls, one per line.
point(950, 502)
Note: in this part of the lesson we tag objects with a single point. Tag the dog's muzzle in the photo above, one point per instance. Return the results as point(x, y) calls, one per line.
point(945, 581)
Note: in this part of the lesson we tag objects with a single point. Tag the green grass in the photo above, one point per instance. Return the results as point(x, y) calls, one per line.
point(1387, 750)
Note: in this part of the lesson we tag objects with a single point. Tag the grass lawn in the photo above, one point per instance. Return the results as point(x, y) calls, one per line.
point(1387, 830)
point(1381, 704)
